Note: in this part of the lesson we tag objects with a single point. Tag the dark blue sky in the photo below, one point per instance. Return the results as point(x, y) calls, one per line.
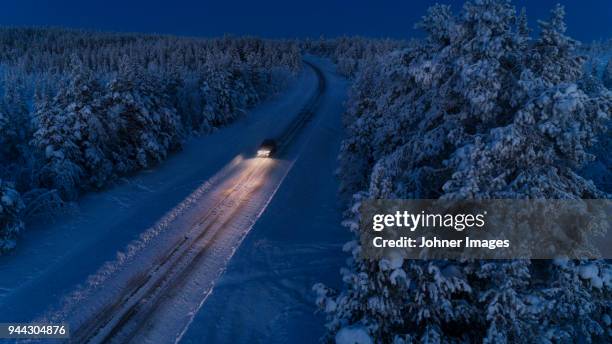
point(587, 19)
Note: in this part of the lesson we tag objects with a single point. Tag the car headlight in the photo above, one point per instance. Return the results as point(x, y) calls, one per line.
point(263, 153)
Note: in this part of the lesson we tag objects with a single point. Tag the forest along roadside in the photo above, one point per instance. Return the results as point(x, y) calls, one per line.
point(54, 256)
point(295, 243)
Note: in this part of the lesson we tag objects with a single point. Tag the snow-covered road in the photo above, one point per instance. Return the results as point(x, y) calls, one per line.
point(151, 296)
point(265, 294)
point(153, 271)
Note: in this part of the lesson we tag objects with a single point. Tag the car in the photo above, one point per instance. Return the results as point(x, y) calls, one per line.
point(267, 148)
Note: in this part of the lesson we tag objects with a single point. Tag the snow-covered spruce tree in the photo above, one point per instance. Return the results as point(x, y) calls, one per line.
point(226, 93)
point(144, 126)
point(15, 131)
point(607, 75)
point(370, 132)
point(577, 302)
point(10, 216)
point(220, 94)
point(476, 110)
point(71, 133)
point(553, 56)
point(14, 118)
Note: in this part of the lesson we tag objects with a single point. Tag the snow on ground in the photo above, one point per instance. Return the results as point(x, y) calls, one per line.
point(54, 256)
point(265, 293)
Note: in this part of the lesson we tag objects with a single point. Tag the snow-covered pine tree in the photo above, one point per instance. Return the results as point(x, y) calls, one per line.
point(144, 126)
point(16, 155)
point(577, 302)
point(15, 122)
point(53, 137)
point(503, 287)
point(218, 105)
point(607, 75)
point(11, 224)
point(15, 129)
point(554, 57)
point(72, 134)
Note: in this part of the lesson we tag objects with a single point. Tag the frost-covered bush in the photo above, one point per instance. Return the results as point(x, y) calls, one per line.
point(478, 109)
point(10, 216)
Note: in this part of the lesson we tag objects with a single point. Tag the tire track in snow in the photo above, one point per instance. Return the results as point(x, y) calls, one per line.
point(126, 305)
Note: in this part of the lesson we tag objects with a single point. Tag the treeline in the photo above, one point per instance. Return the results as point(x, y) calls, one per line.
point(350, 53)
point(79, 109)
point(479, 109)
